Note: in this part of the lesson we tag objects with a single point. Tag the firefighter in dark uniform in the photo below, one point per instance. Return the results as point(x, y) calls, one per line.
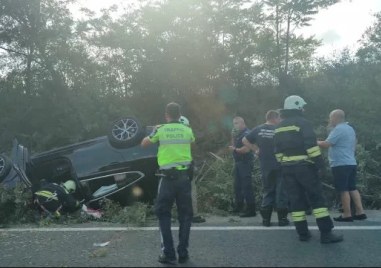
point(52, 199)
point(174, 159)
point(301, 163)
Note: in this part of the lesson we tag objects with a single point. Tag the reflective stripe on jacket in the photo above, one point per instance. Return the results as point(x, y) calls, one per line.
point(295, 140)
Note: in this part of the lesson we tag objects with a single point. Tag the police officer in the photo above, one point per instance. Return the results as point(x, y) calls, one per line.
point(243, 166)
point(52, 198)
point(174, 159)
point(300, 157)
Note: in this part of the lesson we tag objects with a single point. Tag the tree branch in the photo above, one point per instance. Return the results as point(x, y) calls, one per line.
point(13, 51)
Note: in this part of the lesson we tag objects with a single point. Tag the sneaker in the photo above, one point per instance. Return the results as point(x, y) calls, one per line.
point(342, 219)
point(266, 223)
point(183, 259)
point(198, 219)
point(166, 260)
point(360, 217)
point(305, 237)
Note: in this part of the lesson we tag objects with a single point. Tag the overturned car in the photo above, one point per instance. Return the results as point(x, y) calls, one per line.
point(113, 166)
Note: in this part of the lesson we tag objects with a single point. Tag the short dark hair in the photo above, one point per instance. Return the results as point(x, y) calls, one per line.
point(272, 114)
point(173, 110)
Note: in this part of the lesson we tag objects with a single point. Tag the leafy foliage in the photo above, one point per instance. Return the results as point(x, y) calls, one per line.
point(16, 205)
point(136, 214)
point(64, 79)
point(215, 186)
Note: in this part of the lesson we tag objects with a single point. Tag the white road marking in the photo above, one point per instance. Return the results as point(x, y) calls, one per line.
point(196, 228)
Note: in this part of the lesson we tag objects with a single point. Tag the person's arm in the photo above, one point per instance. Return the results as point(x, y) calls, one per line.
point(331, 139)
point(324, 144)
point(152, 138)
point(70, 202)
point(311, 145)
point(146, 142)
point(242, 150)
point(67, 200)
point(253, 147)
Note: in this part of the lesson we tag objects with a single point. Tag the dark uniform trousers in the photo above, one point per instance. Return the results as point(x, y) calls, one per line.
point(274, 191)
point(243, 187)
point(301, 180)
point(175, 186)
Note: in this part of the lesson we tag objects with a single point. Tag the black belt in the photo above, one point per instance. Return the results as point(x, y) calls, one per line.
point(171, 174)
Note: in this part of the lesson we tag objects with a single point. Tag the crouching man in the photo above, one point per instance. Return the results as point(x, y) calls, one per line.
point(53, 199)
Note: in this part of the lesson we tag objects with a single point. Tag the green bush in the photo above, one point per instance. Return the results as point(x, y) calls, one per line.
point(368, 177)
point(216, 193)
point(16, 205)
point(136, 214)
point(215, 186)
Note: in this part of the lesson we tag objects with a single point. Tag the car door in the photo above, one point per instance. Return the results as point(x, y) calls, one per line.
point(19, 161)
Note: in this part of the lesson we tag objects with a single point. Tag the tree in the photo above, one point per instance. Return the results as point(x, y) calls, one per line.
point(285, 16)
point(370, 50)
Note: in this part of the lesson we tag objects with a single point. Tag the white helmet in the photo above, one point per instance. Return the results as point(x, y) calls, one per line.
point(70, 186)
point(294, 102)
point(184, 120)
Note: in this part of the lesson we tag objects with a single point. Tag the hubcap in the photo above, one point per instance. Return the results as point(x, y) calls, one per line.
point(125, 129)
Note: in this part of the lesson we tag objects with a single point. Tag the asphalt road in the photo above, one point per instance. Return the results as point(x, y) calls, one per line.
point(220, 242)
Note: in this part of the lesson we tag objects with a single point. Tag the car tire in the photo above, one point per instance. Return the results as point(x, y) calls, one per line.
point(125, 132)
point(5, 166)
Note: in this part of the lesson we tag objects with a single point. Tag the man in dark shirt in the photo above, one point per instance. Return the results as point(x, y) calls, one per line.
point(243, 166)
point(261, 141)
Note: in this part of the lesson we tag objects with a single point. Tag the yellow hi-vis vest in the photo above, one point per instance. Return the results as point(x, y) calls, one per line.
point(174, 145)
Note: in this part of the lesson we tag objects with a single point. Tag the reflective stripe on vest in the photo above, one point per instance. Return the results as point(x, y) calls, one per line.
point(164, 142)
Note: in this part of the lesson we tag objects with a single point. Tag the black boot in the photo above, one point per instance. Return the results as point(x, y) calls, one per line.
point(266, 215)
point(302, 230)
point(282, 217)
point(305, 237)
point(237, 207)
point(250, 211)
point(329, 237)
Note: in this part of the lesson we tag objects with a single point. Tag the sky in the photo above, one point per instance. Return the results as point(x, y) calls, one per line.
point(340, 26)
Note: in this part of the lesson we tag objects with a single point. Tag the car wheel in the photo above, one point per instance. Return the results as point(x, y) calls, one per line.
point(5, 166)
point(125, 132)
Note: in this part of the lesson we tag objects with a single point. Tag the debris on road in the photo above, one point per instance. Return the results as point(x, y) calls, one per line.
point(91, 212)
point(101, 244)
